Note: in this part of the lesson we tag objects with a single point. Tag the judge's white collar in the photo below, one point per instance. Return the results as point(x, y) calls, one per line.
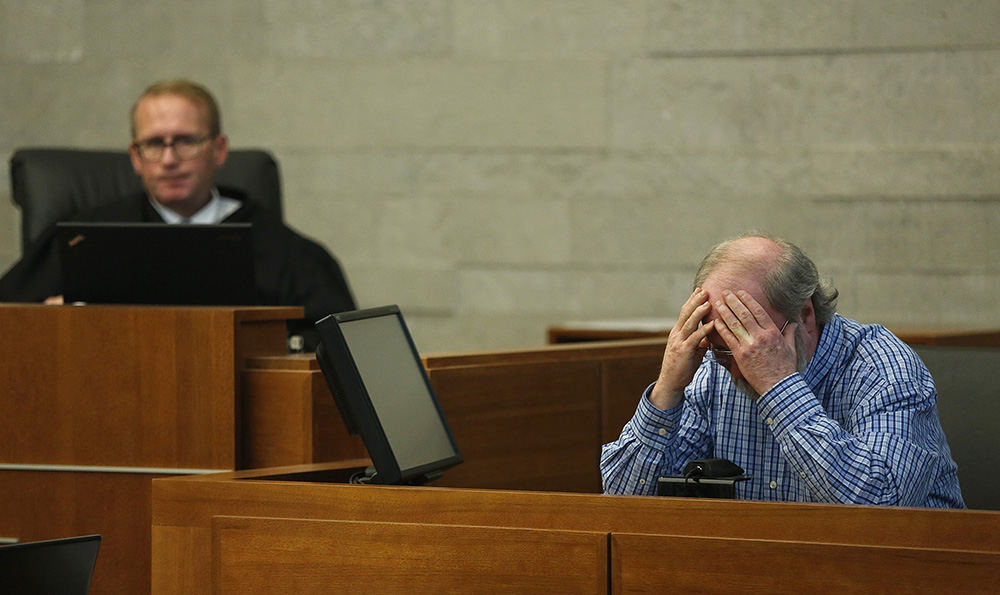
point(215, 211)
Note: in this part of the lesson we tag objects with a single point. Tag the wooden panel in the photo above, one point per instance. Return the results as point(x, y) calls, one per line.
point(664, 563)
point(261, 331)
point(568, 334)
point(535, 418)
point(49, 505)
point(190, 503)
point(528, 425)
point(259, 555)
point(549, 353)
point(117, 386)
point(192, 545)
point(956, 337)
point(291, 361)
point(125, 386)
point(611, 330)
point(331, 440)
point(624, 381)
point(289, 417)
point(277, 418)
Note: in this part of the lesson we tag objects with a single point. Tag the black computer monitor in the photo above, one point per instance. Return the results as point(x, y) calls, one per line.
point(380, 386)
point(50, 566)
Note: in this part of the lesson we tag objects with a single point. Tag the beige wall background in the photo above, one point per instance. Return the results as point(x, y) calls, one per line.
point(495, 166)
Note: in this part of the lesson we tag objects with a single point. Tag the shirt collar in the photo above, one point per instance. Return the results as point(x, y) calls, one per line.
point(826, 353)
point(215, 211)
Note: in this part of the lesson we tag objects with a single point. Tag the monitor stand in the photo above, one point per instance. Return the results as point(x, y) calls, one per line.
point(369, 475)
point(340, 475)
point(348, 473)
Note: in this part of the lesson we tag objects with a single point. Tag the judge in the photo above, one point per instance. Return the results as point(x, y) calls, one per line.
point(177, 146)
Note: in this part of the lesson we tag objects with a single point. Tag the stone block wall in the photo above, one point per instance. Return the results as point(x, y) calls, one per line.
point(496, 166)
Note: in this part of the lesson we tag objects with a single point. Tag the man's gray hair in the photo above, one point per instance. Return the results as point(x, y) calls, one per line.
point(787, 285)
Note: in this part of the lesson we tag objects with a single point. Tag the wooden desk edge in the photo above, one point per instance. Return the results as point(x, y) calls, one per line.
point(263, 477)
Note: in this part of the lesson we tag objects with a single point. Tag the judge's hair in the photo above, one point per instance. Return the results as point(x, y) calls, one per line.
point(189, 90)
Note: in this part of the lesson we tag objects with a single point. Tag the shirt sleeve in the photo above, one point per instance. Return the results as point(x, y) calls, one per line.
point(652, 444)
point(884, 454)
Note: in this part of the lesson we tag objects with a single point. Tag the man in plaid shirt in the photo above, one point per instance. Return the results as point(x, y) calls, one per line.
point(815, 407)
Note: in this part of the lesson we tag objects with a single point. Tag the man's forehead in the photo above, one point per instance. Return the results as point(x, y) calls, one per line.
point(731, 278)
point(169, 107)
point(734, 279)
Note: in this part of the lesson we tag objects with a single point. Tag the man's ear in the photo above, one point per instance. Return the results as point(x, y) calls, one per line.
point(807, 316)
point(133, 154)
point(221, 147)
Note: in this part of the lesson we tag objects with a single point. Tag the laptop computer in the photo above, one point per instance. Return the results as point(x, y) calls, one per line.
point(62, 566)
point(154, 263)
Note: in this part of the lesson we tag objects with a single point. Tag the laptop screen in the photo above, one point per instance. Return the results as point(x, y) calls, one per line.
point(154, 263)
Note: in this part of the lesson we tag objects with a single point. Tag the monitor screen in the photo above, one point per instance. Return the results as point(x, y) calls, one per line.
point(50, 566)
point(379, 383)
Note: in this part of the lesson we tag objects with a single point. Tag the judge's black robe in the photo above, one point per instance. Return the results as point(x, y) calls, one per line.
point(290, 269)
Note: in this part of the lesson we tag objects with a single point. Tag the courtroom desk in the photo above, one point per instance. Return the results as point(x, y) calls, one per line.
point(639, 328)
point(535, 419)
point(608, 330)
point(97, 400)
point(948, 337)
point(530, 419)
point(263, 531)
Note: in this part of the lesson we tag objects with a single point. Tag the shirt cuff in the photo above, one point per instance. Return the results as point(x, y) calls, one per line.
point(656, 428)
point(788, 404)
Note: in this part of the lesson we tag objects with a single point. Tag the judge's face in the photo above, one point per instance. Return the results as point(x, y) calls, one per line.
point(178, 177)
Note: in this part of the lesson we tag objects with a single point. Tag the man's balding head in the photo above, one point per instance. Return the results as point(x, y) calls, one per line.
point(787, 277)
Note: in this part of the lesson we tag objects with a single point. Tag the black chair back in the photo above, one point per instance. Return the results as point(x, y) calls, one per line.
point(50, 185)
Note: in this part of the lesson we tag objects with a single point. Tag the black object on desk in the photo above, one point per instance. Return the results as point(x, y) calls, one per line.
point(704, 478)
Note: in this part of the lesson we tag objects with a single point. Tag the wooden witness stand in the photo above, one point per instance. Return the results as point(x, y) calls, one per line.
point(534, 419)
point(259, 532)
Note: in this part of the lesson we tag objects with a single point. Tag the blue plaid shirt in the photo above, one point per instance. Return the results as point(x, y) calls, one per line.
point(859, 425)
